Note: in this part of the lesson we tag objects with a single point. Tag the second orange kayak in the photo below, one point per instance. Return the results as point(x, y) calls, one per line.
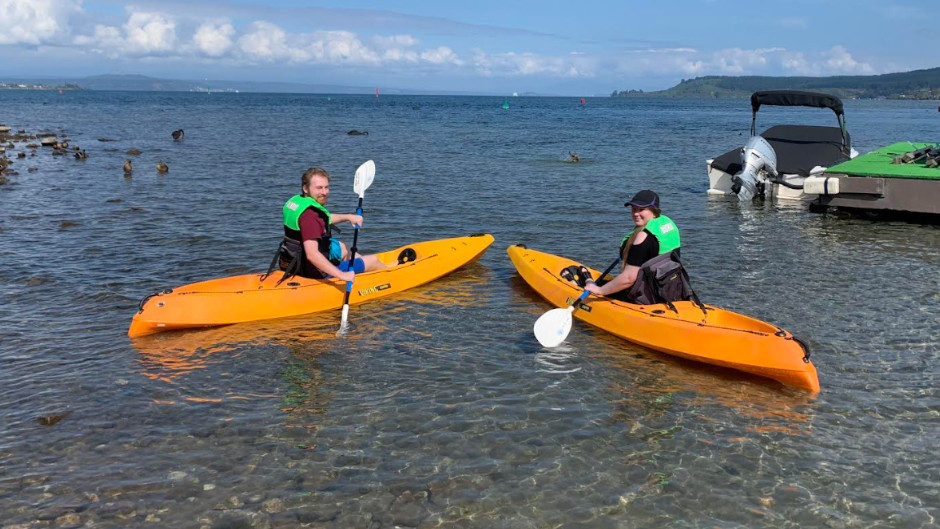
point(713, 336)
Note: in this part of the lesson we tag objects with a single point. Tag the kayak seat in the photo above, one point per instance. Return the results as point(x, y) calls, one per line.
point(406, 256)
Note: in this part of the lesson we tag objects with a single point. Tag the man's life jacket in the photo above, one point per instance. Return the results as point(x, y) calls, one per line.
point(291, 250)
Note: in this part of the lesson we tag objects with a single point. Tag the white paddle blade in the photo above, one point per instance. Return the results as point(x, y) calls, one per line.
point(553, 327)
point(365, 174)
point(344, 322)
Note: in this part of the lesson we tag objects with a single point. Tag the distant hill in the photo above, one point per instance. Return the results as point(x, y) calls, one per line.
point(917, 84)
point(154, 84)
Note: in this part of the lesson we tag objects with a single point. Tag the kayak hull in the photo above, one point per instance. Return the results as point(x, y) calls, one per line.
point(714, 336)
point(252, 297)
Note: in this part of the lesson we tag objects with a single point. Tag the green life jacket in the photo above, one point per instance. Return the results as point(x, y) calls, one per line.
point(292, 210)
point(665, 231)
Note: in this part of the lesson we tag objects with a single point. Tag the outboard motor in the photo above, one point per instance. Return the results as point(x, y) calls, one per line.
point(758, 160)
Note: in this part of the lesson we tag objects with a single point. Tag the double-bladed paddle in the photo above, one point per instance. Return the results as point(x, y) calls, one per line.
point(365, 174)
point(553, 327)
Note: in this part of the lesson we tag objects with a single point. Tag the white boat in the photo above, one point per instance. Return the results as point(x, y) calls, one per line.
point(776, 163)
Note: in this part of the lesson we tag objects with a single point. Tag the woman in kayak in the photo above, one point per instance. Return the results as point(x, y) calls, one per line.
point(655, 234)
point(308, 248)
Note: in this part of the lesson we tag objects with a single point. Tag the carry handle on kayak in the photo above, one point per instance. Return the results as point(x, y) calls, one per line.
point(553, 327)
point(365, 174)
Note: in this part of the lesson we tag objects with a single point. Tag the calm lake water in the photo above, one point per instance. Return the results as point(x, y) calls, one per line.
point(439, 408)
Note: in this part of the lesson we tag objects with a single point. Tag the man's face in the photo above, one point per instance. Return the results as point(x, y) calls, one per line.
point(319, 189)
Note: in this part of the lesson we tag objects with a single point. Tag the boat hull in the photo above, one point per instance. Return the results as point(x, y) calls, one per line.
point(714, 336)
point(252, 297)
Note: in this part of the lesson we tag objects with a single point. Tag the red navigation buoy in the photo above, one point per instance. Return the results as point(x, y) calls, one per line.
point(582, 102)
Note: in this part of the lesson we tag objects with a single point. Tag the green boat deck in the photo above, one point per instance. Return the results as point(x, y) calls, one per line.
point(878, 163)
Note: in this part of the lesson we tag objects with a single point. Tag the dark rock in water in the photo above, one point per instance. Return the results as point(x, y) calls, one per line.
point(162, 167)
point(68, 224)
point(4, 180)
point(355, 132)
point(21, 155)
point(133, 152)
point(106, 139)
point(33, 169)
point(114, 201)
point(49, 420)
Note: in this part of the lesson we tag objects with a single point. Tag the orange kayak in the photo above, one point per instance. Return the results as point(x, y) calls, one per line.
point(713, 336)
point(246, 297)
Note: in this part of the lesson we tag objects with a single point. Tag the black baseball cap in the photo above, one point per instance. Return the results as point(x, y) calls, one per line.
point(644, 199)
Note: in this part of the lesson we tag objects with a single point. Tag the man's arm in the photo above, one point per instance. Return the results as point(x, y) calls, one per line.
point(323, 264)
point(352, 218)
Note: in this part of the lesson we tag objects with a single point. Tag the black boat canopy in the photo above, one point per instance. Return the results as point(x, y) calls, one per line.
point(794, 98)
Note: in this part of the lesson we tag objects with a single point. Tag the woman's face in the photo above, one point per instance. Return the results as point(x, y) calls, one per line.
point(641, 215)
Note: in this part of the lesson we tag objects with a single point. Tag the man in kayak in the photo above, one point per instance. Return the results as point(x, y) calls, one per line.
point(308, 248)
point(655, 235)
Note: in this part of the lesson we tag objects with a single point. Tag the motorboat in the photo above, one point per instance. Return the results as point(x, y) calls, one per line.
point(777, 162)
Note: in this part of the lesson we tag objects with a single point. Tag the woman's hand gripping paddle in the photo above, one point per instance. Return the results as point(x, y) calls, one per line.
point(365, 174)
point(553, 327)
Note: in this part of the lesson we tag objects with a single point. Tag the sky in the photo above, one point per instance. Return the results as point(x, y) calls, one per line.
point(551, 47)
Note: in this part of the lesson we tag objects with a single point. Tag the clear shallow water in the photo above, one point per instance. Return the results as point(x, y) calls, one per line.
point(439, 408)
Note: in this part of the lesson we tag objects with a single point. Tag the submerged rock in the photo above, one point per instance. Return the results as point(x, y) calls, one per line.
point(49, 420)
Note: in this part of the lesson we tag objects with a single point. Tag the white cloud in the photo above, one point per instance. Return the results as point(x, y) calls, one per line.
point(839, 60)
point(737, 61)
point(527, 64)
point(150, 33)
point(214, 38)
point(395, 41)
point(441, 55)
point(35, 22)
point(342, 47)
point(143, 34)
point(266, 42)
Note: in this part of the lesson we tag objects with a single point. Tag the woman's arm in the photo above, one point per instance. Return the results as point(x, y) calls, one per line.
point(622, 281)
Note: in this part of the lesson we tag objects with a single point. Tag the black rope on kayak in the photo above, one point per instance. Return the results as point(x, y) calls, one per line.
point(805, 347)
point(140, 306)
